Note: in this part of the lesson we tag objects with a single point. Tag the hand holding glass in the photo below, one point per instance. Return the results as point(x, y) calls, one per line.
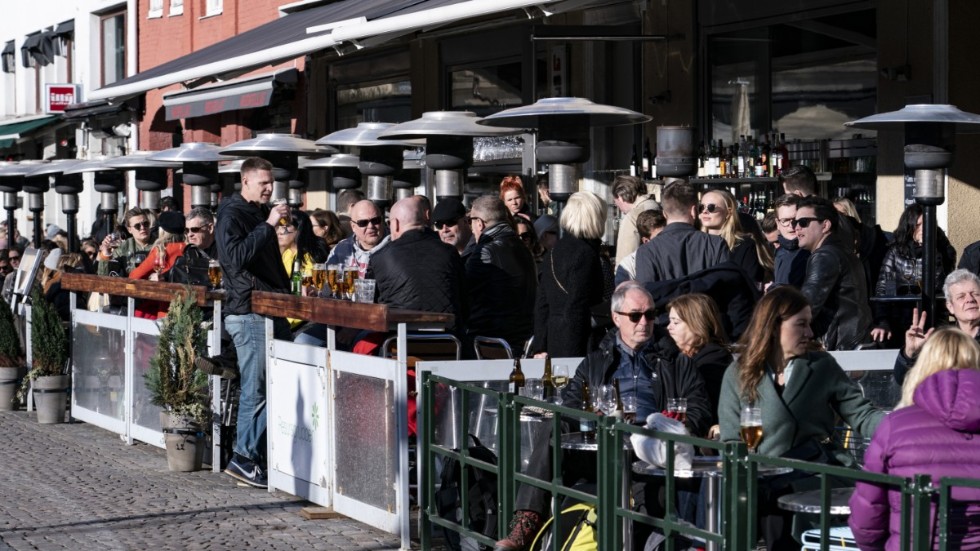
point(678, 407)
point(751, 427)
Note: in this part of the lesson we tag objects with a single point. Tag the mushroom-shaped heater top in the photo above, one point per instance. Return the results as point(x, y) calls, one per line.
point(199, 161)
point(64, 183)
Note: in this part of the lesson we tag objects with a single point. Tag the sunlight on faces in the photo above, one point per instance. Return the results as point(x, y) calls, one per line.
point(514, 201)
point(965, 301)
point(713, 220)
point(370, 235)
point(680, 331)
point(784, 221)
point(634, 334)
point(257, 186)
point(795, 334)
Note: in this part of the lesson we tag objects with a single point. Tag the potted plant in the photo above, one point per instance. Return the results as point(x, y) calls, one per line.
point(177, 386)
point(12, 367)
point(49, 362)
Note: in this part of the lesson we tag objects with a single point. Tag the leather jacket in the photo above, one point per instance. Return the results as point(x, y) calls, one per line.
point(501, 282)
point(837, 290)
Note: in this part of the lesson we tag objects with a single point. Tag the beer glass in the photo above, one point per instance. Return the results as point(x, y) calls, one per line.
point(751, 427)
point(282, 221)
point(335, 279)
point(319, 277)
point(214, 273)
point(350, 274)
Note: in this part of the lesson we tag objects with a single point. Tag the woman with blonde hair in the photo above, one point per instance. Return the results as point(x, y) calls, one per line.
point(571, 280)
point(718, 213)
point(933, 431)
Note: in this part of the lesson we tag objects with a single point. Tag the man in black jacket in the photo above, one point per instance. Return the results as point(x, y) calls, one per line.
point(834, 284)
point(417, 271)
point(642, 367)
point(249, 255)
point(501, 277)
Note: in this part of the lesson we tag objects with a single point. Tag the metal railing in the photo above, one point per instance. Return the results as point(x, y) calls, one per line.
point(739, 497)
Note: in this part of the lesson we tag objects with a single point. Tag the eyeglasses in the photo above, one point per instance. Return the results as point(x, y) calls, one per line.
point(196, 229)
point(440, 225)
point(710, 207)
point(141, 226)
point(526, 236)
point(635, 316)
point(472, 218)
point(804, 222)
point(376, 221)
point(785, 221)
point(91, 254)
point(286, 230)
point(14, 258)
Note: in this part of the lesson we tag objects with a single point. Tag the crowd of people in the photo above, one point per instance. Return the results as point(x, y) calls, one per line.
point(691, 280)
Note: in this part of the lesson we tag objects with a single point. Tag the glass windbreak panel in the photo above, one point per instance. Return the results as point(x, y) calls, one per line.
point(365, 440)
point(99, 366)
point(486, 90)
point(389, 101)
point(738, 101)
point(145, 414)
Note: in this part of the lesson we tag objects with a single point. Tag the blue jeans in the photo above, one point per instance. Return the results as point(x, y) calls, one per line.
point(248, 333)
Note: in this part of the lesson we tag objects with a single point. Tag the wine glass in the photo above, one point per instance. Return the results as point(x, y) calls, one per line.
point(161, 261)
point(751, 427)
point(606, 399)
point(560, 378)
point(678, 407)
point(629, 407)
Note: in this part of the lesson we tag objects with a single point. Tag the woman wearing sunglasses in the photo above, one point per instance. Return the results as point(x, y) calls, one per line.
point(718, 213)
point(131, 251)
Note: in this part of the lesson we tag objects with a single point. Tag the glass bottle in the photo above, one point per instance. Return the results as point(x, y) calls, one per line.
point(516, 381)
point(296, 278)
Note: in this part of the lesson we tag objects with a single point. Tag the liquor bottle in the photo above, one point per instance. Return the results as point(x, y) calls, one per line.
point(296, 278)
point(712, 166)
point(634, 165)
point(702, 160)
point(740, 159)
point(620, 410)
point(783, 153)
point(647, 161)
point(587, 426)
point(722, 160)
point(516, 382)
point(548, 381)
point(752, 158)
point(762, 160)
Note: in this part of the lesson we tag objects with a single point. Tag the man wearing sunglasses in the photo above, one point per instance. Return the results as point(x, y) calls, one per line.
point(627, 353)
point(834, 283)
point(450, 221)
point(680, 249)
point(501, 277)
point(127, 252)
point(368, 236)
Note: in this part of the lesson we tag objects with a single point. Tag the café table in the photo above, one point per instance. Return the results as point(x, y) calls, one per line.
point(709, 468)
point(809, 501)
point(576, 441)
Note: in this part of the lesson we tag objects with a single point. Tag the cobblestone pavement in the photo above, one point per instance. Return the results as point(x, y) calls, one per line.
point(76, 486)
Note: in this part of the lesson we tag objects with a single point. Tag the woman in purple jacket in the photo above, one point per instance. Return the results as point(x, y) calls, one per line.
point(933, 431)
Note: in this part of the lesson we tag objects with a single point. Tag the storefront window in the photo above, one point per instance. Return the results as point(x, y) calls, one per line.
point(486, 90)
point(113, 47)
point(802, 78)
point(382, 101)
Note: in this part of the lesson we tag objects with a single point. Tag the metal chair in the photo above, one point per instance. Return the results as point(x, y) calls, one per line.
point(492, 348)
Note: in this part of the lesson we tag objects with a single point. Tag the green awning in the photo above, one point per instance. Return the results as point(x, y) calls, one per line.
point(13, 131)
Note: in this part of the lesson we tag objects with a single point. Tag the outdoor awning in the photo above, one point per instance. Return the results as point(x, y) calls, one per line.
point(93, 109)
point(243, 93)
point(13, 130)
point(301, 33)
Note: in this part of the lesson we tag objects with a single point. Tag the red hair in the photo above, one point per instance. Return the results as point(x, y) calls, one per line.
point(511, 183)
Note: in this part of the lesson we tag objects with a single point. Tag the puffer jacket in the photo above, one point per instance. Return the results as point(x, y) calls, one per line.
point(790, 263)
point(249, 254)
point(671, 379)
point(501, 281)
point(837, 291)
point(417, 271)
point(937, 435)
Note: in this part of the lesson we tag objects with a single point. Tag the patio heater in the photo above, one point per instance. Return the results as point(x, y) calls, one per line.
point(343, 170)
point(564, 126)
point(410, 176)
point(10, 185)
point(151, 176)
point(66, 185)
point(378, 160)
point(199, 163)
point(35, 187)
point(229, 176)
point(929, 143)
point(109, 182)
point(448, 139)
point(283, 151)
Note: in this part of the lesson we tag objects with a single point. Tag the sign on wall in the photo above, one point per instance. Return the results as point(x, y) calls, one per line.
point(57, 97)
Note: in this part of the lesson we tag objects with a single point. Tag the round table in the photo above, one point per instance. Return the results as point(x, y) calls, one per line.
point(710, 468)
point(809, 501)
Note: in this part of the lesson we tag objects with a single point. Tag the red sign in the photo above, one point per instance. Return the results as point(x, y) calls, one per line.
point(59, 96)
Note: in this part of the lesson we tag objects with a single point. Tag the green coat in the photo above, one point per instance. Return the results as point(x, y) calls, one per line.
point(125, 250)
point(818, 392)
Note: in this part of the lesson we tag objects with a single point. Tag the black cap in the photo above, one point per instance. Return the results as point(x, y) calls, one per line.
point(171, 221)
point(449, 209)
